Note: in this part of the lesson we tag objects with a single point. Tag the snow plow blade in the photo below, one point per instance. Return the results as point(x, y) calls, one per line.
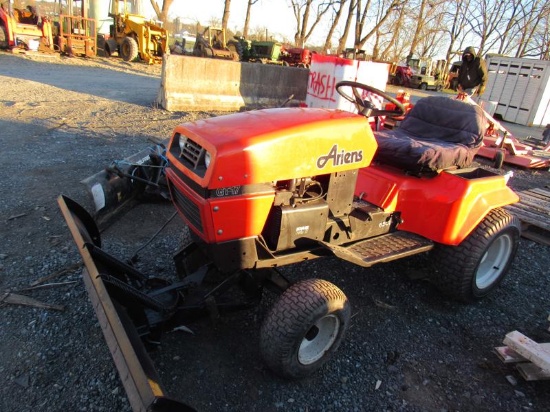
point(135, 367)
point(115, 189)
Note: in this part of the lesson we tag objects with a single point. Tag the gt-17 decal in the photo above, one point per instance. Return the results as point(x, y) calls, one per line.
point(340, 157)
point(228, 191)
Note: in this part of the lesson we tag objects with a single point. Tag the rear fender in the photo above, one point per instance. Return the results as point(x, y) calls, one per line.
point(445, 208)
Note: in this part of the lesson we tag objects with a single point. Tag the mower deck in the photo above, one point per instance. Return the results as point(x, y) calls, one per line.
point(515, 152)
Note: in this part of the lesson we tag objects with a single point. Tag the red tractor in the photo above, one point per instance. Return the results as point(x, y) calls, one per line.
point(296, 56)
point(267, 188)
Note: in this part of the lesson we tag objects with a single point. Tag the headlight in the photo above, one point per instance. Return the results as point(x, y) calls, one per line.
point(207, 159)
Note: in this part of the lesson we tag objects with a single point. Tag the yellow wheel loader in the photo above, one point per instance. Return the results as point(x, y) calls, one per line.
point(133, 35)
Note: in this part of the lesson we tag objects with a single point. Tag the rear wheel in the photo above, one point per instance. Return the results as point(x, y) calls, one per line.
point(498, 160)
point(423, 86)
point(237, 48)
point(304, 328)
point(129, 49)
point(3, 37)
point(474, 268)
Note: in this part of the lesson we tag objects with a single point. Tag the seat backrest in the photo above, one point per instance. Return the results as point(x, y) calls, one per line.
point(438, 118)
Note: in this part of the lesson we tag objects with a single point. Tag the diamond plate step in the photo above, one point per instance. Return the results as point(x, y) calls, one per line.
point(383, 248)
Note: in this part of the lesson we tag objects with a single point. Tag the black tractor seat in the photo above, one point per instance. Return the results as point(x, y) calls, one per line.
point(438, 133)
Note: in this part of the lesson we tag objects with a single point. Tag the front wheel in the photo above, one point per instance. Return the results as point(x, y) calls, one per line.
point(474, 268)
point(129, 49)
point(304, 328)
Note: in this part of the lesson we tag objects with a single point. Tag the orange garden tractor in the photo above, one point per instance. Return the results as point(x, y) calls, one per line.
point(274, 187)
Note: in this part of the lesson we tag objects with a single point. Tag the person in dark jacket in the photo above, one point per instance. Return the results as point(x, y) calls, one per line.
point(472, 74)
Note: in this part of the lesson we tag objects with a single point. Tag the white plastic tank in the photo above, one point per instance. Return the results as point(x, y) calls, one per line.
point(99, 10)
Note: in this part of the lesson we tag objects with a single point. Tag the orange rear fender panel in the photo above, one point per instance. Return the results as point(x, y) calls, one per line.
point(444, 209)
point(279, 144)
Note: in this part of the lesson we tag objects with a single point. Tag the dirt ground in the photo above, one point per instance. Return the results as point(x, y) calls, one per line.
point(408, 348)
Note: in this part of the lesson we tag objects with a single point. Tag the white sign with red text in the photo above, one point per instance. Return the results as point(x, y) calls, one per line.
point(326, 71)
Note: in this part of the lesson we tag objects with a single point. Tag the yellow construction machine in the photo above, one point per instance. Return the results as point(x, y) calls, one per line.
point(132, 35)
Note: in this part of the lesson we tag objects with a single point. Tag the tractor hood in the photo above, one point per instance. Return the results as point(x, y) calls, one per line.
point(269, 145)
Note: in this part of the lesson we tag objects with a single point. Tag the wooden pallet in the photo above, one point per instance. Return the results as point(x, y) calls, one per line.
point(533, 210)
point(532, 358)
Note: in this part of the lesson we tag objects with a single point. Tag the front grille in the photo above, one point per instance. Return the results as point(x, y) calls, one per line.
point(192, 155)
point(191, 152)
point(188, 208)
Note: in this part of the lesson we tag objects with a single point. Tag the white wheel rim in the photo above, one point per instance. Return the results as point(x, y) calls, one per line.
point(318, 340)
point(494, 261)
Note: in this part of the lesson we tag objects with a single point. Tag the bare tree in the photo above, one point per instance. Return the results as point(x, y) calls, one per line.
point(338, 8)
point(162, 14)
point(382, 31)
point(362, 15)
point(544, 39)
point(533, 29)
point(418, 27)
point(225, 18)
point(303, 10)
point(344, 38)
point(428, 26)
point(455, 20)
point(486, 19)
point(246, 27)
point(393, 49)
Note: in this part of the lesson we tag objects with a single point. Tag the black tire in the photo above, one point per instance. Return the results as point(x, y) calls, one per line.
point(129, 49)
point(236, 47)
point(498, 160)
point(423, 86)
point(3, 37)
point(304, 328)
point(476, 266)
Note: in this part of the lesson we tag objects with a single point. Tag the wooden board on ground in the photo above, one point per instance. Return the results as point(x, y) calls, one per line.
point(533, 210)
point(532, 358)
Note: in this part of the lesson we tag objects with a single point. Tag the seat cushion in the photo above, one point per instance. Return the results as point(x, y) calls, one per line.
point(438, 133)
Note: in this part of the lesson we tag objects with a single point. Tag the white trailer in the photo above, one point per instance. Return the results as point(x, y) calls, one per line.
point(520, 89)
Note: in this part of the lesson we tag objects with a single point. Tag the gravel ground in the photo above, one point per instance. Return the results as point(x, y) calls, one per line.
point(408, 348)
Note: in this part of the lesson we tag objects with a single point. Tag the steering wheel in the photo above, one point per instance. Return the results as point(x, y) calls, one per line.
point(365, 107)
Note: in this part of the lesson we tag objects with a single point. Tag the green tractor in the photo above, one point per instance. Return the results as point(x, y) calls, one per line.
point(266, 52)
